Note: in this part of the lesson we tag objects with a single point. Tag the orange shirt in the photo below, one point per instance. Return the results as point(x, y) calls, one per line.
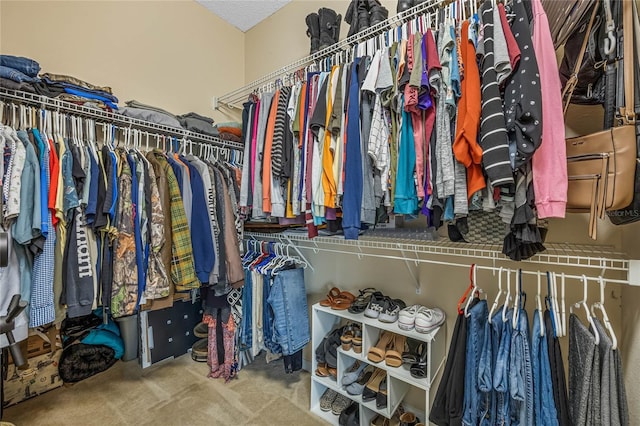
point(465, 146)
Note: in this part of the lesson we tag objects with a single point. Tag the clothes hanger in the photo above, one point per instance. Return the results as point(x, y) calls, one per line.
point(467, 291)
point(583, 304)
point(605, 317)
point(539, 307)
point(507, 299)
point(520, 296)
point(474, 291)
point(496, 301)
point(549, 302)
point(562, 306)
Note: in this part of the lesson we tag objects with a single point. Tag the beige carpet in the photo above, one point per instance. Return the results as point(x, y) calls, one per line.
point(176, 392)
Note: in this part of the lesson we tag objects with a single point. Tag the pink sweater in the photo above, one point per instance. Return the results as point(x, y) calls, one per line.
point(550, 160)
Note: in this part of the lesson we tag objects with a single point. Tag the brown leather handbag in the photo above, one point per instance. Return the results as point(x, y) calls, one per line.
point(601, 166)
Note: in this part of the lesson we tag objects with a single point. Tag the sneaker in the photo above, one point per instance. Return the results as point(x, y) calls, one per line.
point(391, 310)
point(407, 317)
point(327, 398)
point(428, 319)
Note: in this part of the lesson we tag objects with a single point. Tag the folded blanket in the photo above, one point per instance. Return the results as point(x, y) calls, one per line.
point(232, 130)
point(92, 94)
point(230, 137)
point(198, 125)
point(60, 78)
point(150, 115)
point(14, 85)
point(230, 124)
point(140, 105)
point(196, 116)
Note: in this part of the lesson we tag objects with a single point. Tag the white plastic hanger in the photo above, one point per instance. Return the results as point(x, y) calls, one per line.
point(563, 310)
point(605, 317)
point(583, 304)
point(473, 292)
point(539, 306)
point(497, 300)
point(507, 298)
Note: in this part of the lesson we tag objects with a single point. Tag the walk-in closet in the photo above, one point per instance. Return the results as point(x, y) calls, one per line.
point(347, 212)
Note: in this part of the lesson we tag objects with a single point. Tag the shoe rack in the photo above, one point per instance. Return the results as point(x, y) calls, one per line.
point(399, 379)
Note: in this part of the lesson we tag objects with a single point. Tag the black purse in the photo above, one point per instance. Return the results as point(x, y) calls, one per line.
point(590, 85)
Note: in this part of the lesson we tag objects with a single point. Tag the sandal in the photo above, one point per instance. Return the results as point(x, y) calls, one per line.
point(333, 293)
point(357, 387)
point(346, 338)
point(413, 354)
point(372, 387)
point(352, 374)
point(342, 301)
point(391, 310)
point(378, 352)
point(356, 342)
point(381, 396)
point(418, 370)
point(322, 371)
point(375, 306)
point(393, 356)
point(360, 303)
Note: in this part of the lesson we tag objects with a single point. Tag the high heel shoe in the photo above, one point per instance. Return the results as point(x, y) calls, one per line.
point(381, 396)
point(372, 388)
point(378, 352)
point(419, 368)
point(393, 356)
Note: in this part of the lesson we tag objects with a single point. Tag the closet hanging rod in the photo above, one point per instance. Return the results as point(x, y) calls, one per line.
point(229, 99)
point(99, 115)
point(557, 254)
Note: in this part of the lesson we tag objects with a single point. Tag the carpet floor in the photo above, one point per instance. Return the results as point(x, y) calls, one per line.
point(175, 392)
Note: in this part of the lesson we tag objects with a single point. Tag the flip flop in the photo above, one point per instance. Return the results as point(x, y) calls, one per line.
point(343, 301)
point(322, 371)
point(333, 293)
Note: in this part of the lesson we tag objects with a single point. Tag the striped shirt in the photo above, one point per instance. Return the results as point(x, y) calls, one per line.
point(493, 132)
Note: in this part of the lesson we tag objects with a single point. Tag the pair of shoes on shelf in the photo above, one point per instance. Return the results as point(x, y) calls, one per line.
point(416, 358)
point(350, 416)
point(362, 14)
point(384, 308)
point(323, 28)
point(355, 387)
point(423, 319)
point(334, 402)
point(352, 338)
point(362, 300)
point(338, 300)
point(324, 370)
point(376, 389)
point(389, 349)
point(407, 4)
point(409, 419)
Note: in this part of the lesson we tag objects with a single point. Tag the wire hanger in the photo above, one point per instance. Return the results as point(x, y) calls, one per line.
point(605, 317)
point(474, 290)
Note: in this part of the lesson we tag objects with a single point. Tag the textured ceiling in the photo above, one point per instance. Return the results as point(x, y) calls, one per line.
point(244, 14)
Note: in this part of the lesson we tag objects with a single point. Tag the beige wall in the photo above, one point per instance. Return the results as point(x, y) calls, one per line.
point(268, 46)
point(172, 54)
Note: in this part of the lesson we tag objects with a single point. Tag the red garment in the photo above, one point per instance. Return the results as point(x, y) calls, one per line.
point(512, 45)
point(465, 146)
point(54, 168)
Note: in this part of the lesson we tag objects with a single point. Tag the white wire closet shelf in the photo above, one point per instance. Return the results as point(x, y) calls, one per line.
point(593, 260)
point(110, 117)
point(239, 95)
